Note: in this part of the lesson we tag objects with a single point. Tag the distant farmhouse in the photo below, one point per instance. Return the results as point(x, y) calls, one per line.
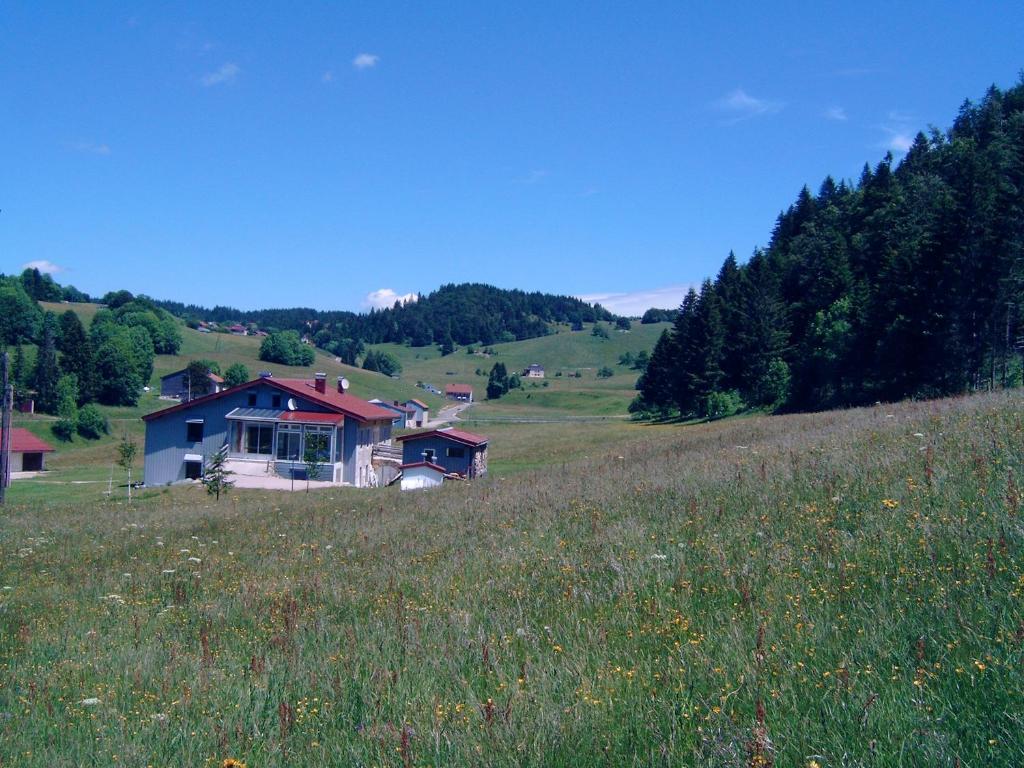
point(460, 392)
point(422, 412)
point(176, 385)
point(429, 457)
point(268, 425)
point(28, 452)
point(535, 371)
point(405, 417)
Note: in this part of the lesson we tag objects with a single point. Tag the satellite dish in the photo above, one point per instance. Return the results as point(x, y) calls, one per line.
point(291, 404)
point(344, 384)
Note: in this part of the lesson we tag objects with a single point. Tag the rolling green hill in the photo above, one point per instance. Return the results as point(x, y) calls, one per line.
point(563, 354)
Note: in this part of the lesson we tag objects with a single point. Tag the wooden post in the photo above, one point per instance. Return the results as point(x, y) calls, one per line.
point(6, 406)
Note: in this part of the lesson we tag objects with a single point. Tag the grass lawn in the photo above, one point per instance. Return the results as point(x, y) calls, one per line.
point(839, 589)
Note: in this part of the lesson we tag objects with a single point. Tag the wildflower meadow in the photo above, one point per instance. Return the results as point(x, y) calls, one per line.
point(835, 589)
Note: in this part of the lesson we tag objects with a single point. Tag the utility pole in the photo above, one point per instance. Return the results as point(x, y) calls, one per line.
point(6, 406)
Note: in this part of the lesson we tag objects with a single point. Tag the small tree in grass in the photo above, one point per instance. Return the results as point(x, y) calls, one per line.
point(126, 451)
point(313, 457)
point(215, 477)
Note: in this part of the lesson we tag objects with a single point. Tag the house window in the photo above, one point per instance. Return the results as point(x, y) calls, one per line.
point(289, 442)
point(252, 399)
point(275, 401)
point(194, 431)
point(193, 470)
point(428, 455)
point(456, 453)
point(318, 442)
point(259, 439)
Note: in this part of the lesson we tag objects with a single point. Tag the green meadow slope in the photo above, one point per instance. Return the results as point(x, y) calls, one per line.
point(563, 354)
point(831, 589)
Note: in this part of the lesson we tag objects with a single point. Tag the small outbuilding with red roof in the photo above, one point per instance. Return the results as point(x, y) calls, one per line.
point(461, 392)
point(456, 451)
point(28, 452)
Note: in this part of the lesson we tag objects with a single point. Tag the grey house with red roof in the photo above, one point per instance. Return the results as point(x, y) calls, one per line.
point(268, 425)
point(455, 451)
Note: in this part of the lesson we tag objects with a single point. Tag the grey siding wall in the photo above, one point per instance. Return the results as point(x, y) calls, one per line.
point(348, 451)
point(412, 451)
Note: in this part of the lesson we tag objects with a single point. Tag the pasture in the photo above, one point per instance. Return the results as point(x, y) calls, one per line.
point(835, 589)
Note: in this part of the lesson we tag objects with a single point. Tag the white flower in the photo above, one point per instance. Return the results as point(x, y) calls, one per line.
point(659, 557)
point(184, 551)
point(91, 702)
point(194, 560)
point(159, 717)
point(168, 572)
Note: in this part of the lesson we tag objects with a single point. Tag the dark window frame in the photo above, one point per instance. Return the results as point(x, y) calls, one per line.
point(191, 429)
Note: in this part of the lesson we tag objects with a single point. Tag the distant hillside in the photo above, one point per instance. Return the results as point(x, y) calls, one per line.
point(563, 353)
point(465, 313)
point(226, 349)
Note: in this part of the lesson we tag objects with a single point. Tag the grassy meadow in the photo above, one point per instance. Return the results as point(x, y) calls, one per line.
point(836, 589)
point(563, 353)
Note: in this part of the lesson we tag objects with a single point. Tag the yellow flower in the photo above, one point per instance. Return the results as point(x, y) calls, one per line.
point(890, 503)
point(813, 764)
point(230, 762)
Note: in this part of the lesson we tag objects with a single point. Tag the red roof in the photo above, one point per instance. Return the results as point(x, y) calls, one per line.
point(309, 417)
point(458, 389)
point(420, 403)
point(458, 435)
point(430, 464)
point(23, 441)
point(350, 405)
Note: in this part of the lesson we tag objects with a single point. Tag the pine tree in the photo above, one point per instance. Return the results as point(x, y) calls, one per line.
point(44, 379)
point(76, 355)
point(216, 473)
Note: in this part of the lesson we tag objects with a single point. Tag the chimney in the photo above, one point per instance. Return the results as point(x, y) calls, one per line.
point(320, 381)
point(342, 384)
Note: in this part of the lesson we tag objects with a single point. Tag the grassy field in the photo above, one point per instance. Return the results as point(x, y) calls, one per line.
point(557, 396)
point(838, 589)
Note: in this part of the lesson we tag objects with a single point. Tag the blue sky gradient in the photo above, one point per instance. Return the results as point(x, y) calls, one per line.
point(337, 155)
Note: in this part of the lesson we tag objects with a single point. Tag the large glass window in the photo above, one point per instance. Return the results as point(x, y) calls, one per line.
point(259, 439)
point(289, 442)
point(318, 442)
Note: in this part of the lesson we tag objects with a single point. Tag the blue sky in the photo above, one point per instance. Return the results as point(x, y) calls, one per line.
point(339, 155)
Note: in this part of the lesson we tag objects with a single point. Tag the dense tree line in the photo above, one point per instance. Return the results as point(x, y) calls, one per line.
point(73, 368)
point(906, 283)
point(286, 347)
point(453, 314)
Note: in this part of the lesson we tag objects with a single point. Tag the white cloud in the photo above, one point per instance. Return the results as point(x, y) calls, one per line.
point(90, 147)
point(836, 113)
point(44, 266)
point(533, 177)
point(635, 303)
point(365, 60)
point(386, 297)
point(899, 132)
point(742, 106)
point(226, 74)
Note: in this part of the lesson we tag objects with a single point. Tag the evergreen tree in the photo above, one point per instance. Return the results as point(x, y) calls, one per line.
point(216, 473)
point(497, 382)
point(76, 355)
point(46, 374)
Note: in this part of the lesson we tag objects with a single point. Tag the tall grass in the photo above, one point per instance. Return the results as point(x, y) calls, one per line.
point(838, 589)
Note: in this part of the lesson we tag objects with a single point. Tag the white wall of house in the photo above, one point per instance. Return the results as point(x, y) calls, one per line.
point(417, 478)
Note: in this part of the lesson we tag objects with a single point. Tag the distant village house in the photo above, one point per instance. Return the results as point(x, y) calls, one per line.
point(535, 371)
point(422, 412)
point(177, 385)
point(460, 392)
